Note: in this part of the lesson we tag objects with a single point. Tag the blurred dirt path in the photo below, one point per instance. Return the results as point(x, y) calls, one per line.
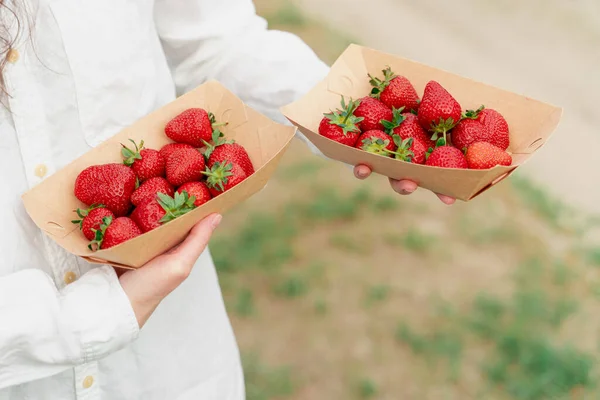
point(516, 49)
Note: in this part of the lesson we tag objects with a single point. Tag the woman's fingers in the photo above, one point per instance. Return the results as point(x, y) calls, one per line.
point(403, 187)
point(406, 187)
point(362, 171)
point(446, 199)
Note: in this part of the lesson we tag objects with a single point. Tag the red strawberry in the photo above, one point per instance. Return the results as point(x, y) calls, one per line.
point(198, 190)
point(376, 142)
point(439, 112)
point(497, 127)
point(91, 219)
point(481, 125)
point(484, 155)
point(168, 149)
point(156, 212)
point(373, 112)
point(406, 125)
point(185, 165)
point(468, 131)
point(108, 184)
point(342, 125)
point(410, 150)
point(148, 190)
point(146, 163)
point(114, 231)
point(193, 126)
point(222, 177)
point(447, 157)
point(395, 91)
point(222, 150)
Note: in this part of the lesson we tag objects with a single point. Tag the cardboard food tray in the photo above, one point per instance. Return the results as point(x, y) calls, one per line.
point(51, 203)
point(531, 122)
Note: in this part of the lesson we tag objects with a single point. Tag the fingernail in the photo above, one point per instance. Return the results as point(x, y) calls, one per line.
point(216, 220)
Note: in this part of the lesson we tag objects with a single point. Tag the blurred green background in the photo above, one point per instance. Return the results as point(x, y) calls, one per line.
point(340, 289)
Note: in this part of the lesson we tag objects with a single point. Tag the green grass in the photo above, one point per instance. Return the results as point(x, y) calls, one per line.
point(289, 15)
point(434, 346)
point(504, 231)
point(386, 204)
point(321, 307)
point(301, 170)
point(292, 287)
point(264, 241)
point(593, 257)
point(350, 243)
point(377, 294)
point(327, 42)
point(418, 242)
point(524, 358)
point(540, 201)
point(244, 303)
point(329, 204)
point(264, 382)
point(367, 389)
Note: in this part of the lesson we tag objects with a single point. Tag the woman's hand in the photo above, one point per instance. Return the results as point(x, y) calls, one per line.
point(403, 187)
point(148, 285)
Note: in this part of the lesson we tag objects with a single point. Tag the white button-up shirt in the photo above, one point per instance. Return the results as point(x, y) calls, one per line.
point(88, 69)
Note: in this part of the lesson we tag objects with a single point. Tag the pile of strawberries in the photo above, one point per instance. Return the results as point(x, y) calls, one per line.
point(152, 187)
point(392, 121)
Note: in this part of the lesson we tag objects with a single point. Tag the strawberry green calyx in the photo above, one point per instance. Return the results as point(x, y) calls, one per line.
point(443, 127)
point(218, 175)
point(99, 234)
point(404, 151)
point(439, 143)
point(345, 117)
point(218, 139)
point(396, 121)
point(215, 125)
point(84, 213)
point(473, 114)
point(175, 206)
point(130, 156)
point(380, 85)
point(375, 146)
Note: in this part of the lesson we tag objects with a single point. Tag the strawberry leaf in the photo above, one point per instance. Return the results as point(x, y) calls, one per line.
point(380, 85)
point(99, 234)
point(473, 114)
point(130, 156)
point(176, 206)
point(217, 176)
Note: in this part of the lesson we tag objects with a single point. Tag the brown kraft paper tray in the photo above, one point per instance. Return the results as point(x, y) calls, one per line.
point(51, 203)
point(531, 122)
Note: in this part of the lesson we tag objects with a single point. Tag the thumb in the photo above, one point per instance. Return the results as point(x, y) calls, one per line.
point(195, 243)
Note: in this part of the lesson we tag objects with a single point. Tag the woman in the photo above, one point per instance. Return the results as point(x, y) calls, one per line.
point(75, 73)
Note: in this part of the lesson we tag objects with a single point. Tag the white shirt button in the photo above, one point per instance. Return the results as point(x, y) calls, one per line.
point(41, 170)
point(88, 382)
point(12, 56)
point(70, 277)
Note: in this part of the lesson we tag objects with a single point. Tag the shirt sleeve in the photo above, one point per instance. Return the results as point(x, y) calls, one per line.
point(44, 331)
point(226, 40)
